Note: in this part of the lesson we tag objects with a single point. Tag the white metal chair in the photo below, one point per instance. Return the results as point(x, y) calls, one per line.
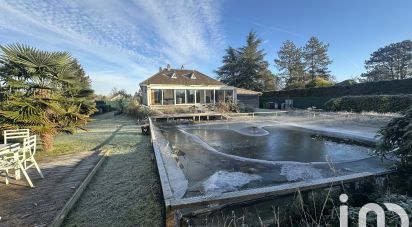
point(7, 163)
point(29, 150)
point(15, 134)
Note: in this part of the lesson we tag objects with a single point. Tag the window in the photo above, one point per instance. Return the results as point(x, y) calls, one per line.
point(180, 97)
point(220, 94)
point(190, 94)
point(168, 97)
point(156, 97)
point(199, 96)
point(209, 96)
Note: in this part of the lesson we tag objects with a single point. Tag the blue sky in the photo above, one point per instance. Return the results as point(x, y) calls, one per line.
point(120, 43)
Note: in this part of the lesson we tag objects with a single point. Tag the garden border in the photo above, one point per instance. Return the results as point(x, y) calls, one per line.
point(59, 219)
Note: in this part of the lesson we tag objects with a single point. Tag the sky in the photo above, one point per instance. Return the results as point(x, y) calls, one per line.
point(121, 43)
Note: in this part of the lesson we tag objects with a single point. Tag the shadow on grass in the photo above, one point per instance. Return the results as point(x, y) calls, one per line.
point(106, 141)
point(126, 190)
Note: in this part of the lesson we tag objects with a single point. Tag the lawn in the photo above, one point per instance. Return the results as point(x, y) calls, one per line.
point(125, 191)
point(98, 131)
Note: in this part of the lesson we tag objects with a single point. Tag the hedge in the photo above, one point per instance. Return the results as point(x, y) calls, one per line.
point(304, 98)
point(375, 103)
point(103, 106)
point(370, 88)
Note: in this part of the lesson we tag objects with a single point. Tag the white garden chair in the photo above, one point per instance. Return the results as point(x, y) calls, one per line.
point(7, 163)
point(29, 150)
point(15, 134)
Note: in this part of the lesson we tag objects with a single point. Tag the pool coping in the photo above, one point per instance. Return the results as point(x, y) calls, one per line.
point(270, 191)
point(164, 179)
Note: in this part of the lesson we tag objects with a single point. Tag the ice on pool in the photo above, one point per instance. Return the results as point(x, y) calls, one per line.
point(223, 181)
point(300, 172)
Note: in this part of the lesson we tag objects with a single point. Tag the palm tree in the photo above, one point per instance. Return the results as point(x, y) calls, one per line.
point(42, 90)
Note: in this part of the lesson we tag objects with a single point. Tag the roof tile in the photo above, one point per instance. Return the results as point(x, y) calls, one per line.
point(183, 77)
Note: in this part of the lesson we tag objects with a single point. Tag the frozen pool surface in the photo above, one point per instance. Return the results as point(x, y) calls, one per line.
point(280, 144)
point(230, 157)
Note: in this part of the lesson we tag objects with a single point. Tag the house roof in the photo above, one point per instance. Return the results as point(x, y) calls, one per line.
point(181, 77)
point(242, 91)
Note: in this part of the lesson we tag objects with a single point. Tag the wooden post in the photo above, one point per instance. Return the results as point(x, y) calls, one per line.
point(174, 96)
point(214, 97)
point(195, 98)
point(149, 91)
point(162, 96)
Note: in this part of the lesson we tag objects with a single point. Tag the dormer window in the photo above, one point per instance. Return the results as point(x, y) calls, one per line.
point(192, 76)
point(174, 76)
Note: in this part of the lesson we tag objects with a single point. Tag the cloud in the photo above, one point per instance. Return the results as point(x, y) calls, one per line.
point(128, 38)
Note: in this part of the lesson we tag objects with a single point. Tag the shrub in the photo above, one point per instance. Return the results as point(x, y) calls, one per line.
point(134, 109)
point(319, 82)
point(396, 137)
point(347, 83)
point(376, 103)
point(104, 108)
point(228, 106)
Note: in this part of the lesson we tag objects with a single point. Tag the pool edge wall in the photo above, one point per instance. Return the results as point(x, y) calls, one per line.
point(173, 204)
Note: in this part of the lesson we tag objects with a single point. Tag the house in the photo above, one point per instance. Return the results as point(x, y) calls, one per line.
point(181, 87)
point(247, 99)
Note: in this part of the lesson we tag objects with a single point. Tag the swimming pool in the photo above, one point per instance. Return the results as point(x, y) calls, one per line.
point(227, 157)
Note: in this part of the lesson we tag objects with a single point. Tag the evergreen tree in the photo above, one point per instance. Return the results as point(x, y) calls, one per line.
point(251, 64)
point(375, 74)
point(289, 62)
point(228, 72)
point(269, 81)
point(315, 54)
point(392, 62)
point(245, 67)
point(395, 139)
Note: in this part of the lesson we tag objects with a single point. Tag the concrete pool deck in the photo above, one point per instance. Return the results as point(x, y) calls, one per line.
point(174, 182)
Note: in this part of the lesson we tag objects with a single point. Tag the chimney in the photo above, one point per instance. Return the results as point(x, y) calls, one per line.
point(168, 67)
point(160, 69)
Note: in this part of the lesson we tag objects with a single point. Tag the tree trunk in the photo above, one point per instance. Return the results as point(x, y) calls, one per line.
point(47, 141)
